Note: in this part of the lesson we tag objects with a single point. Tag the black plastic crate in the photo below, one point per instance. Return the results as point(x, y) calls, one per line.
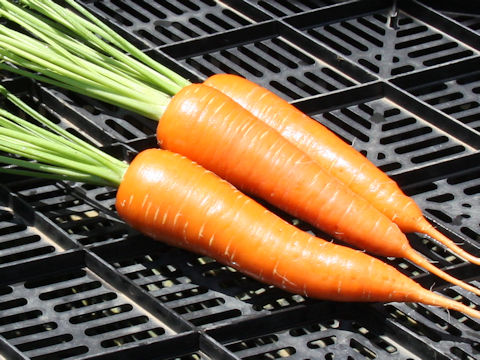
point(398, 80)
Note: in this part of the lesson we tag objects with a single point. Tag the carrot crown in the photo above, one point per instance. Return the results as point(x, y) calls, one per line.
point(72, 49)
point(46, 150)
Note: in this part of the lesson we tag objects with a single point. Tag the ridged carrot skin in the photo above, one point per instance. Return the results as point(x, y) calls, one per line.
point(172, 199)
point(211, 129)
point(337, 157)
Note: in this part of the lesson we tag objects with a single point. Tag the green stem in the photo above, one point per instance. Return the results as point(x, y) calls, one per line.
point(88, 73)
point(47, 157)
point(64, 138)
point(151, 111)
point(128, 47)
point(56, 35)
point(81, 54)
point(12, 122)
point(55, 151)
point(64, 150)
point(50, 172)
point(84, 178)
point(98, 35)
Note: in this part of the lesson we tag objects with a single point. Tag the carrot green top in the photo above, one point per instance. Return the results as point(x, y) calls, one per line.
point(46, 150)
point(67, 46)
point(62, 44)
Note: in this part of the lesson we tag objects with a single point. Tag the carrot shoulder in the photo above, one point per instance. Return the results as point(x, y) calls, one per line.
point(173, 199)
point(214, 131)
point(334, 155)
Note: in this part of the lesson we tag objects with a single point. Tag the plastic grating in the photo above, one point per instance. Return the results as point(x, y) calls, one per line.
point(396, 331)
point(281, 8)
point(73, 209)
point(470, 20)
point(197, 288)
point(452, 202)
point(72, 313)
point(20, 241)
point(153, 23)
point(292, 72)
point(398, 80)
point(456, 97)
point(389, 45)
point(391, 137)
point(467, 13)
point(325, 339)
point(108, 124)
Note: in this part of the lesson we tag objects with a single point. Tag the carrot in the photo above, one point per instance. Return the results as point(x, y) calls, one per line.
point(226, 139)
point(172, 199)
point(68, 51)
point(333, 154)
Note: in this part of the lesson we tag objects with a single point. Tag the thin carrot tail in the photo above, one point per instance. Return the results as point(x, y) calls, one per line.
point(427, 297)
point(426, 228)
point(418, 259)
point(460, 307)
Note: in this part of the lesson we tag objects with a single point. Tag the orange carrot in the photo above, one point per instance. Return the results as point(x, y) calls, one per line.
point(212, 130)
point(162, 199)
point(333, 154)
point(172, 199)
point(140, 84)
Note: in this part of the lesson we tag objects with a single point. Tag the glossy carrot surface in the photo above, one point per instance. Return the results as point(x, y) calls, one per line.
point(168, 197)
point(212, 130)
point(173, 199)
point(333, 154)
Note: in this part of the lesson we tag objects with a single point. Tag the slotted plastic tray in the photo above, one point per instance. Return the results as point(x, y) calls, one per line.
point(399, 80)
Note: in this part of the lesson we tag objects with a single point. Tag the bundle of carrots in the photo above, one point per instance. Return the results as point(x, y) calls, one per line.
point(172, 199)
point(230, 126)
